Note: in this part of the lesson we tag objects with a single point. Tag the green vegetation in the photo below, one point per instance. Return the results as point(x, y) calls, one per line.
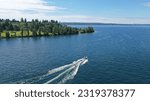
point(24, 28)
point(86, 30)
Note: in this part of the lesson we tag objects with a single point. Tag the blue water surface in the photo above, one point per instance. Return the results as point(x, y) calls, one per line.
point(118, 54)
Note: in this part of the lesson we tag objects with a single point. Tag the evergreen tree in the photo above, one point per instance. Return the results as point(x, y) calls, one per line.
point(39, 28)
point(34, 32)
point(25, 20)
point(28, 32)
point(22, 20)
point(7, 34)
point(21, 32)
point(1, 29)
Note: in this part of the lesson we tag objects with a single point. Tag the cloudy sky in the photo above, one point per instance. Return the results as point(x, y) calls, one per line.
point(104, 11)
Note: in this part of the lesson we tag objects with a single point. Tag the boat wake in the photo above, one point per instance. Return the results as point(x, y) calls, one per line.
point(58, 75)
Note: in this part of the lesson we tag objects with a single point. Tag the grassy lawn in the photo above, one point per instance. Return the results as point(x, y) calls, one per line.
point(3, 34)
point(18, 34)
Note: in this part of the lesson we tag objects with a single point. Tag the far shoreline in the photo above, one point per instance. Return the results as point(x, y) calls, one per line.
point(93, 23)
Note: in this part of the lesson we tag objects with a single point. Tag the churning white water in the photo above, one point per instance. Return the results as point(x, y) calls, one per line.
point(63, 73)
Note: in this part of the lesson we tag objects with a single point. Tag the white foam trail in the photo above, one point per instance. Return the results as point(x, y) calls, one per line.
point(68, 72)
point(70, 76)
point(73, 73)
point(61, 74)
point(58, 69)
point(38, 78)
point(84, 62)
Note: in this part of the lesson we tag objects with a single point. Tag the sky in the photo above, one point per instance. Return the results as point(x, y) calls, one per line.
point(98, 11)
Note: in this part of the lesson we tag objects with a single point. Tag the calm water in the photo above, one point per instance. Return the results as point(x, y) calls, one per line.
point(116, 54)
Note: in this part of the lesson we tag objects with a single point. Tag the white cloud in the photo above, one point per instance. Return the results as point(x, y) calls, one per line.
point(26, 6)
point(147, 4)
point(32, 9)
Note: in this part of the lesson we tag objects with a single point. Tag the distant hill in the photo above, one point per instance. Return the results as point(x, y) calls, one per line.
point(86, 23)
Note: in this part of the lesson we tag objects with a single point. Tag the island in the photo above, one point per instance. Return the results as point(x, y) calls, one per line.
point(23, 28)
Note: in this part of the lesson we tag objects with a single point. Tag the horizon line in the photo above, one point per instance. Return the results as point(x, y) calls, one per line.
point(75, 22)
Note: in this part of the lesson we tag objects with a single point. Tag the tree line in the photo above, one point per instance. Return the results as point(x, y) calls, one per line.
point(24, 28)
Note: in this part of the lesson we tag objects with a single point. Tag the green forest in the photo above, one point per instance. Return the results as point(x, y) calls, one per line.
point(23, 28)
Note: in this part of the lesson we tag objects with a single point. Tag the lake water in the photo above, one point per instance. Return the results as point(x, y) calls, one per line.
point(116, 55)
